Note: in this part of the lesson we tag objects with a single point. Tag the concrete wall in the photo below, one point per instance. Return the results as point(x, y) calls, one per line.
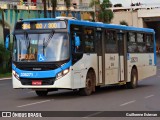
point(149, 12)
point(131, 17)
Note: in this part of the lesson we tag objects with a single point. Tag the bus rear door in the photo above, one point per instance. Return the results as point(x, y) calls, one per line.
point(122, 57)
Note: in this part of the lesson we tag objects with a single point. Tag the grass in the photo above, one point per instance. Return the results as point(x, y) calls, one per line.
point(5, 75)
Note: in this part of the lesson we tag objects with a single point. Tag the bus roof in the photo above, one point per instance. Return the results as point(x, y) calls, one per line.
point(96, 24)
point(39, 19)
point(111, 26)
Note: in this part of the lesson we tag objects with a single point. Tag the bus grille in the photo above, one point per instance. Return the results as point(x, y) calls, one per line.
point(45, 81)
point(36, 66)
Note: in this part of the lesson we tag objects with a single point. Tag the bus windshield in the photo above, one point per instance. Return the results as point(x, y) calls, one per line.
point(47, 47)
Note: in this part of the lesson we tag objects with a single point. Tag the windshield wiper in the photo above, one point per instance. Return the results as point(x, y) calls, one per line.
point(45, 43)
point(49, 39)
point(27, 40)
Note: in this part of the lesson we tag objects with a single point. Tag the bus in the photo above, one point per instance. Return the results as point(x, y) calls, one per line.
point(57, 53)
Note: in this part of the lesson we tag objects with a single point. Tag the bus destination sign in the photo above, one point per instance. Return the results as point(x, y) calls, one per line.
point(41, 25)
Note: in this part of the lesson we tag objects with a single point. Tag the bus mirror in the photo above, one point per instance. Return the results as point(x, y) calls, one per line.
point(7, 42)
point(77, 41)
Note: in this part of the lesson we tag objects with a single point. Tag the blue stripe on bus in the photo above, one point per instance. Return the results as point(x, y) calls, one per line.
point(155, 57)
point(13, 66)
point(41, 74)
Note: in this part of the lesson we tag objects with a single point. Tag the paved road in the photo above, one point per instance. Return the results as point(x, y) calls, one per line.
point(145, 98)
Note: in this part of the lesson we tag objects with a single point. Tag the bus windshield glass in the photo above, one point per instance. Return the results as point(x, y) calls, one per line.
point(47, 47)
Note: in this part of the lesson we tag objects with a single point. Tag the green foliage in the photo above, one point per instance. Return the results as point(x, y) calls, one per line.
point(94, 2)
point(104, 14)
point(106, 4)
point(5, 60)
point(5, 75)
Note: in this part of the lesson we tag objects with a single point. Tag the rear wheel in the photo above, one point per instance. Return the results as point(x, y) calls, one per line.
point(90, 84)
point(134, 80)
point(41, 93)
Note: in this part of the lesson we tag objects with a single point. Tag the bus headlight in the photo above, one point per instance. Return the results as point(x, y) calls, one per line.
point(63, 73)
point(15, 74)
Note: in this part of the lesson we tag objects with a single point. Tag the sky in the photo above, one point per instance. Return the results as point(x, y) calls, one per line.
point(128, 2)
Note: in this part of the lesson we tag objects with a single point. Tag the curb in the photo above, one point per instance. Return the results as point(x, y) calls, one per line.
point(1, 79)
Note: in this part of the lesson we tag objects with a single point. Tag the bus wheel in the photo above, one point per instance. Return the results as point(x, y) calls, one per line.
point(90, 84)
point(134, 79)
point(41, 93)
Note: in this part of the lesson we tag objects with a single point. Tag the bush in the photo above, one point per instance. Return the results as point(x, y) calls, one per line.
point(5, 60)
point(123, 23)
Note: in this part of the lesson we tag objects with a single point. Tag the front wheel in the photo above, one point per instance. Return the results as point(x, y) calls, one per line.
point(90, 84)
point(134, 80)
point(41, 93)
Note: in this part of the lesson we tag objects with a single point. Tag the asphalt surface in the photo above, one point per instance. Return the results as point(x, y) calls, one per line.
point(111, 98)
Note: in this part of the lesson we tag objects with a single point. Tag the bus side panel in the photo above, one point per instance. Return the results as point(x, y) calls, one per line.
point(81, 67)
point(147, 67)
point(144, 63)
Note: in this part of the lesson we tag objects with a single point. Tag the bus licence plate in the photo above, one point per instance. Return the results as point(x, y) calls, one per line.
point(37, 82)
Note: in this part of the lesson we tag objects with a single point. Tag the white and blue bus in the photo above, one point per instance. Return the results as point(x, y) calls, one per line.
point(51, 54)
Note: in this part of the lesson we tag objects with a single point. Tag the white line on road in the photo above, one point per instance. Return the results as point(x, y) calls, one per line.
point(149, 96)
point(33, 103)
point(91, 115)
point(128, 103)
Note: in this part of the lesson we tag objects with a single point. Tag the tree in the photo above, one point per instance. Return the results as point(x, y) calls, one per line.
point(103, 14)
point(54, 5)
point(45, 8)
point(123, 22)
point(96, 5)
point(3, 23)
point(68, 4)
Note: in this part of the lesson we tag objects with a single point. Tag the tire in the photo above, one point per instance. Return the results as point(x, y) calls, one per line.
point(134, 80)
point(41, 93)
point(90, 84)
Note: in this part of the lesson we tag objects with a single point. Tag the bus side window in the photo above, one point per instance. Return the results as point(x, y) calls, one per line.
point(89, 44)
point(141, 43)
point(149, 43)
point(132, 45)
point(76, 29)
point(98, 42)
point(110, 41)
point(74, 48)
